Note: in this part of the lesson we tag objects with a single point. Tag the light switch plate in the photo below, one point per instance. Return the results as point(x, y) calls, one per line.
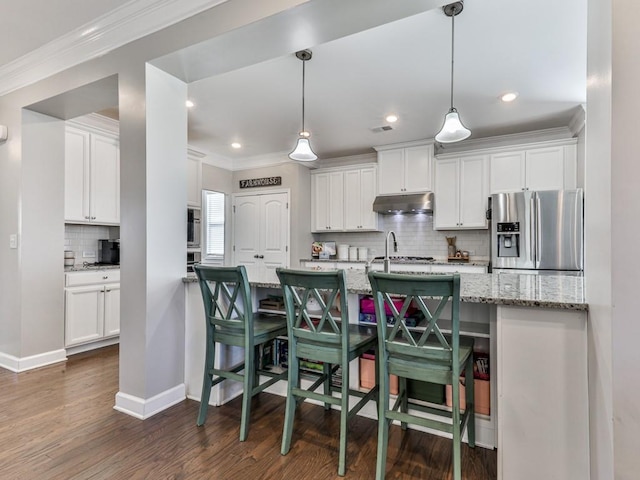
point(13, 240)
point(88, 254)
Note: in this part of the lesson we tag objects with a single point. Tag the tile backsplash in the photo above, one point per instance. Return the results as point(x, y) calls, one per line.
point(416, 237)
point(83, 240)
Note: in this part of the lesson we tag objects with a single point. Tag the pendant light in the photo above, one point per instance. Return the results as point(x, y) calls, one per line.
point(453, 130)
point(303, 152)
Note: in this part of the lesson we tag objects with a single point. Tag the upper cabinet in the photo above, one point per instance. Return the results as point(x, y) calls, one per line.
point(342, 199)
point(194, 179)
point(461, 192)
point(543, 167)
point(92, 177)
point(405, 170)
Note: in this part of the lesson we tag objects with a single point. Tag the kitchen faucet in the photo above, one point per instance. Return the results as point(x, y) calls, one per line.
point(387, 262)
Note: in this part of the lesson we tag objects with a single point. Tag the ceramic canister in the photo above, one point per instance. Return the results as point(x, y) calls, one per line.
point(353, 253)
point(343, 252)
point(363, 253)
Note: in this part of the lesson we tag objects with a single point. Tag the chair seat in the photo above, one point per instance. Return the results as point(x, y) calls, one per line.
point(361, 339)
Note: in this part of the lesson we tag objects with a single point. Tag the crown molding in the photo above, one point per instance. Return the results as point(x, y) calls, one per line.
point(578, 121)
point(131, 21)
point(96, 121)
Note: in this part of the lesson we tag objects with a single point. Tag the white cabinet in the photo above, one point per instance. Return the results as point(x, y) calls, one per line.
point(405, 170)
point(327, 201)
point(359, 194)
point(551, 167)
point(92, 177)
point(461, 192)
point(342, 199)
point(261, 234)
point(92, 306)
point(194, 179)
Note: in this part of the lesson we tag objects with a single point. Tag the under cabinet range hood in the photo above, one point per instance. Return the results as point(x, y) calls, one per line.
point(411, 203)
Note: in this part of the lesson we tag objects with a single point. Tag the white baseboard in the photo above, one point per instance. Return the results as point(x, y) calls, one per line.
point(21, 364)
point(144, 408)
point(92, 346)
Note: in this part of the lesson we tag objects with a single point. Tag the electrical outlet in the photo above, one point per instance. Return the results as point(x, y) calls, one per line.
point(13, 240)
point(88, 254)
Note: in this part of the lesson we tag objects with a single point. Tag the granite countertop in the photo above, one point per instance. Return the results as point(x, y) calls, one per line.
point(82, 268)
point(526, 290)
point(435, 261)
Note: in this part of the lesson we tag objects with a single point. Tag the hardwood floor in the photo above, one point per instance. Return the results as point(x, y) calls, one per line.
point(58, 422)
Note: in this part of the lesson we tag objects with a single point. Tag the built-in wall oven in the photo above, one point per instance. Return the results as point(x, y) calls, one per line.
point(192, 259)
point(193, 227)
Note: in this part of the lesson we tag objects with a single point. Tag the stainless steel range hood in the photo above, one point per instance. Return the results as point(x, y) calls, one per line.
point(412, 203)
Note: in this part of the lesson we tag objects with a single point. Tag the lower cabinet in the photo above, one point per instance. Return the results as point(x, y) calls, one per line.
point(92, 306)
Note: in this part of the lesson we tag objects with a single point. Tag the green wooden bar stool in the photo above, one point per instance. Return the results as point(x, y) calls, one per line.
point(424, 355)
point(230, 321)
point(322, 334)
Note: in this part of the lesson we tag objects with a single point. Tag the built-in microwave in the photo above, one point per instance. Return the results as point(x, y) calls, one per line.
point(193, 227)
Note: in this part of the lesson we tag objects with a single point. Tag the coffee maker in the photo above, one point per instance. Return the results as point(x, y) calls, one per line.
point(109, 252)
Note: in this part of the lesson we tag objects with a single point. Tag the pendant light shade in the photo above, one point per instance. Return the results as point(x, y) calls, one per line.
point(452, 130)
point(303, 152)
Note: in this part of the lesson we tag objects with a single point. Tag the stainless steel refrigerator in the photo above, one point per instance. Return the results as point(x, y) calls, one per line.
point(537, 232)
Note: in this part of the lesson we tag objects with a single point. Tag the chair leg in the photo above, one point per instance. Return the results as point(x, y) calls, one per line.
point(457, 440)
point(471, 402)
point(404, 399)
point(247, 394)
point(326, 370)
point(344, 415)
point(291, 403)
point(206, 382)
point(383, 424)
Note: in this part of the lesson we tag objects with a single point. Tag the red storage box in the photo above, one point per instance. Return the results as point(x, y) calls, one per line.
point(481, 392)
point(367, 305)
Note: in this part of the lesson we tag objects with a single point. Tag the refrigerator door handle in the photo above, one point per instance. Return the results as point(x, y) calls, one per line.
point(532, 229)
point(538, 232)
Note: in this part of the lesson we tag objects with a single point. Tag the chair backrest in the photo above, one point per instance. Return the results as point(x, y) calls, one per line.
point(415, 293)
point(320, 325)
point(227, 298)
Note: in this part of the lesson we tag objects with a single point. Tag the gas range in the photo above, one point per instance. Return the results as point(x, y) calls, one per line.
point(407, 259)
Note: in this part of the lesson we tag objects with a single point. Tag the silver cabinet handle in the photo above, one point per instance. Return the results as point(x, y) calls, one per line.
point(260, 256)
point(256, 256)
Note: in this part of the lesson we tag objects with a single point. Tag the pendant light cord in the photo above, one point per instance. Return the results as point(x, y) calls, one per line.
point(452, 38)
point(303, 74)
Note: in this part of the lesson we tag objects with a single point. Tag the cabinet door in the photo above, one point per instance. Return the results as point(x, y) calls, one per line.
point(391, 171)
point(84, 314)
point(417, 169)
point(368, 192)
point(194, 182)
point(352, 200)
point(473, 192)
point(446, 194)
point(507, 172)
point(76, 175)
point(105, 179)
point(545, 168)
point(328, 201)
point(111, 309)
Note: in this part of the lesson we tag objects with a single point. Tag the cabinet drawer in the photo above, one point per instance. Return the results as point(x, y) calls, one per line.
point(74, 279)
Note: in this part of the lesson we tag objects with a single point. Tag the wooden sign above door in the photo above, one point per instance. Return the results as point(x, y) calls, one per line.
point(261, 182)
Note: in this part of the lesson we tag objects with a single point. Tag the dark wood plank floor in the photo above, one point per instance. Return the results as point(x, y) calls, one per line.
point(58, 422)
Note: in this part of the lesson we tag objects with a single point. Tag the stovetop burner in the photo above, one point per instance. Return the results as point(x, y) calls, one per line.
point(406, 259)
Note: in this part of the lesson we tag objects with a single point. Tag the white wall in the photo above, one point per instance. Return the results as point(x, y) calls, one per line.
point(625, 232)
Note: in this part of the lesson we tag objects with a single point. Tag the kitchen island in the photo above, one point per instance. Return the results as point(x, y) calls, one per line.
point(536, 329)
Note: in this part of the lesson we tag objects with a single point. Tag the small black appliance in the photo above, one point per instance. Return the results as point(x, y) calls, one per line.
point(109, 252)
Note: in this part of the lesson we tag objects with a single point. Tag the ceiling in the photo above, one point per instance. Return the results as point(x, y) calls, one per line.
point(537, 49)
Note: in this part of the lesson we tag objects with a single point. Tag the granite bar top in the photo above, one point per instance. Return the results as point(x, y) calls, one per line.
point(526, 290)
point(435, 261)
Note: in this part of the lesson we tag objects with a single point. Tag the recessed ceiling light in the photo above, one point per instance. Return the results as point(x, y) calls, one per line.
point(189, 104)
point(236, 145)
point(391, 118)
point(509, 96)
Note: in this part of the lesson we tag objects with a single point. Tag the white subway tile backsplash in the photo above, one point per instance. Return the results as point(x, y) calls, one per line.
point(84, 238)
point(416, 237)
